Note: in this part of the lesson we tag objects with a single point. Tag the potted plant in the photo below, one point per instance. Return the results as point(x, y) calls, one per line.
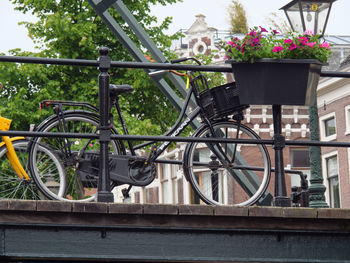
point(273, 69)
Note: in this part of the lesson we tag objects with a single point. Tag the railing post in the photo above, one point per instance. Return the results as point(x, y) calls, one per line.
point(316, 189)
point(280, 198)
point(104, 192)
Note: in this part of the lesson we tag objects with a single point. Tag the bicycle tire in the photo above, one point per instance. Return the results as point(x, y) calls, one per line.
point(78, 185)
point(14, 187)
point(231, 185)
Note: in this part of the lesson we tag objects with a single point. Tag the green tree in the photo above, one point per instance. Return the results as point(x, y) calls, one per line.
point(72, 29)
point(238, 18)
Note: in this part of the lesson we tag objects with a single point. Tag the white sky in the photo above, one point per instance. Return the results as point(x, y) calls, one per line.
point(15, 36)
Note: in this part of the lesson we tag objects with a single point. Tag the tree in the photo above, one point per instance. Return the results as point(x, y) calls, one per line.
point(71, 29)
point(278, 23)
point(238, 18)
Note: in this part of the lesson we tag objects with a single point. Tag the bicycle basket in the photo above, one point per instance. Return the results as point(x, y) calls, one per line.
point(226, 99)
point(203, 95)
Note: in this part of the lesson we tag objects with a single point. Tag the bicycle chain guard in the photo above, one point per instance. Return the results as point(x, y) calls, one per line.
point(124, 169)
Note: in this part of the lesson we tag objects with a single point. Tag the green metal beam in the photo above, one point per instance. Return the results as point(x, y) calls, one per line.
point(55, 242)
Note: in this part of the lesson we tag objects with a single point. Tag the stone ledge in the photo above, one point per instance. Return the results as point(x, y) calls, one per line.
point(114, 208)
point(229, 211)
point(333, 213)
point(90, 207)
point(203, 210)
point(23, 205)
point(182, 210)
point(160, 209)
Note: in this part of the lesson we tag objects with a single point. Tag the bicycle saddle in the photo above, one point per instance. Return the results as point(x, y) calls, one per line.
point(119, 89)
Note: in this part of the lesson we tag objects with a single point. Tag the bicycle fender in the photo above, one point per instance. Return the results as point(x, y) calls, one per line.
point(13, 158)
point(12, 139)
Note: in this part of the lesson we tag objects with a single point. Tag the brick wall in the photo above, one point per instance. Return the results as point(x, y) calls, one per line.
point(338, 107)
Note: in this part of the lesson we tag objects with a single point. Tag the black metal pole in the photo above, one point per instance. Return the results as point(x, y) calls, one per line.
point(280, 198)
point(104, 192)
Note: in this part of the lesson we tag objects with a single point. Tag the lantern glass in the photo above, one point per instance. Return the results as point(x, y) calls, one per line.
point(315, 15)
point(308, 14)
point(295, 19)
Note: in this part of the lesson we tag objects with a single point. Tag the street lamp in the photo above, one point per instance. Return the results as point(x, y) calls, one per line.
point(311, 15)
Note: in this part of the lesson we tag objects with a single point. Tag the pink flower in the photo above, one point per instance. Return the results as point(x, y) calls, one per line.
point(262, 29)
point(288, 41)
point(231, 43)
point(303, 40)
point(311, 44)
point(309, 33)
point(226, 57)
point(293, 46)
point(277, 49)
point(326, 45)
point(252, 33)
point(275, 32)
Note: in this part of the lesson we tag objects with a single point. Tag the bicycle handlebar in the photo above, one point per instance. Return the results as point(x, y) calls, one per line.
point(174, 61)
point(178, 60)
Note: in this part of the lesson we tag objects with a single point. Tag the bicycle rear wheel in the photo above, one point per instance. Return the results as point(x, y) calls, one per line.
point(227, 173)
point(14, 187)
point(79, 157)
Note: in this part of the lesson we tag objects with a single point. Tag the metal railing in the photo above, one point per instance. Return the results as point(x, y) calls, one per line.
point(104, 64)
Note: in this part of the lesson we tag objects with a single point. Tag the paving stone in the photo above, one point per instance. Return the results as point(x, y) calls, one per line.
point(55, 206)
point(230, 211)
point(196, 210)
point(300, 212)
point(125, 208)
point(160, 209)
point(25, 205)
point(92, 207)
point(258, 211)
point(334, 213)
point(4, 204)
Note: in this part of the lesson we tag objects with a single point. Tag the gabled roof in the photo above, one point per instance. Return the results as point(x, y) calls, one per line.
point(199, 25)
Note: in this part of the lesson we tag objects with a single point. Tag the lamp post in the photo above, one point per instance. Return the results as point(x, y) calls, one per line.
point(311, 15)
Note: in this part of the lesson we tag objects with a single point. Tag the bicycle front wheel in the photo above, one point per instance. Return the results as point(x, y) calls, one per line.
point(227, 173)
point(14, 187)
point(79, 157)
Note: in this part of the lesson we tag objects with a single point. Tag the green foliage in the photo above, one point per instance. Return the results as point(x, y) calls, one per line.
point(259, 43)
point(72, 29)
point(238, 18)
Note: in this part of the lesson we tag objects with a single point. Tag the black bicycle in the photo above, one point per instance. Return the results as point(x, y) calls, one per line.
point(220, 173)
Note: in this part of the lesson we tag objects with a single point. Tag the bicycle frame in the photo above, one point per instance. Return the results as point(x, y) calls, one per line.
point(174, 131)
point(11, 153)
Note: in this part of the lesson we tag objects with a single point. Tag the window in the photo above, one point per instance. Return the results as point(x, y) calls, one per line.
point(211, 186)
point(328, 127)
point(164, 180)
point(174, 182)
point(299, 157)
point(333, 181)
point(347, 120)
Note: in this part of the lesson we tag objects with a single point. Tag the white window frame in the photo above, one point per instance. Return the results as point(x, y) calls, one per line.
point(347, 120)
point(165, 179)
point(323, 120)
point(325, 175)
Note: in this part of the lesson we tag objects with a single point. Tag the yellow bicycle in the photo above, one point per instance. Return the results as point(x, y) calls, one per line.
point(15, 181)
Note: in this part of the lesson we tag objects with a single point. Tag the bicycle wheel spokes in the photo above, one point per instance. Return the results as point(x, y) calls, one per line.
point(79, 161)
point(219, 180)
point(11, 186)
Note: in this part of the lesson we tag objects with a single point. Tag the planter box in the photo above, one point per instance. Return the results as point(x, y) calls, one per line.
point(280, 82)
